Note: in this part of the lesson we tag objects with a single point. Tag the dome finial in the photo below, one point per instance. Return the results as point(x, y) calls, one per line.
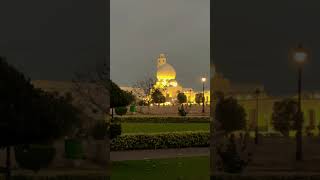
point(162, 60)
point(162, 55)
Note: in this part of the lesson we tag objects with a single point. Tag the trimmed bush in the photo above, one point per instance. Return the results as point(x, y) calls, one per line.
point(121, 111)
point(73, 149)
point(161, 141)
point(101, 130)
point(34, 157)
point(115, 130)
point(163, 119)
point(264, 176)
point(58, 177)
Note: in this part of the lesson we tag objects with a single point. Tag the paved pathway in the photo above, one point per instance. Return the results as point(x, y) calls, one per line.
point(158, 154)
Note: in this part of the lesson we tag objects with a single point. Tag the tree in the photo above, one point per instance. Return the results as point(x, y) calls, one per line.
point(30, 115)
point(218, 95)
point(284, 116)
point(119, 97)
point(230, 115)
point(158, 97)
point(199, 98)
point(147, 86)
point(95, 90)
point(182, 98)
point(230, 156)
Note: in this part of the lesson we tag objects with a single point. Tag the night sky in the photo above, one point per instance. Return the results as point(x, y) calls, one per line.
point(142, 29)
point(52, 39)
point(252, 40)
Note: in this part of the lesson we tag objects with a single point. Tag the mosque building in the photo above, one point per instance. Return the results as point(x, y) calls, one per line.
point(259, 110)
point(167, 83)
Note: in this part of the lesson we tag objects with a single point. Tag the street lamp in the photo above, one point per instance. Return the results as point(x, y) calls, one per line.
point(190, 97)
point(203, 98)
point(257, 92)
point(299, 55)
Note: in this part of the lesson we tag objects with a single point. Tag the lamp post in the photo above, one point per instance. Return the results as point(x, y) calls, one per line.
point(257, 92)
point(203, 98)
point(190, 97)
point(299, 55)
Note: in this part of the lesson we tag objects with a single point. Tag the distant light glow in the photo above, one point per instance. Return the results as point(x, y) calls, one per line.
point(167, 103)
point(203, 79)
point(300, 57)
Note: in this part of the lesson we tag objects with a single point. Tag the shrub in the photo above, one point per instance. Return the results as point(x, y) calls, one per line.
point(285, 116)
point(163, 119)
point(265, 176)
point(34, 157)
point(121, 111)
point(91, 176)
point(230, 114)
point(73, 149)
point(161, 141)
point(231, 160)
point(101, 130)
point(182, 98)
point(158, 97)
point(115, 130)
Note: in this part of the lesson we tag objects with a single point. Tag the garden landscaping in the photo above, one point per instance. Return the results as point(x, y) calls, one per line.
point(140, 133)
point(153, 119)
point(172, 169)
point(161, 141)
point(136, 128)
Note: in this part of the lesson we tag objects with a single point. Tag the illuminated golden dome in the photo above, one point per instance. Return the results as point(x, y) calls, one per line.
point(166, 72)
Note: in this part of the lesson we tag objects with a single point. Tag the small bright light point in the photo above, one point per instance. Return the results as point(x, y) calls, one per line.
point(300, 57)
point(203, 79)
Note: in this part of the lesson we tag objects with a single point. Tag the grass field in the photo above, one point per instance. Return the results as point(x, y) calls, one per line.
point(170, 169)
point(128, 128)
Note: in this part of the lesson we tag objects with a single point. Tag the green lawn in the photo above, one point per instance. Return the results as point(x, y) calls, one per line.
point(190, 168)
point(163, 127)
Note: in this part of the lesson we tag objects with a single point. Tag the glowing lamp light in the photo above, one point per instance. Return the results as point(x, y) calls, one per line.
point(203, 79)
point(300, 57)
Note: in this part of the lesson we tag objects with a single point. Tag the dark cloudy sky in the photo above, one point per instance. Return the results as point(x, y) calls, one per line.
point(142, 29)
point(252, 40)
point(51, 39)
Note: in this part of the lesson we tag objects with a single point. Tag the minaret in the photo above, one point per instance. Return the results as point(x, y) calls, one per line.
point(162, 60)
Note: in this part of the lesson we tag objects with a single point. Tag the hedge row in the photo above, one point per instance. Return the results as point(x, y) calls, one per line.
point(66, 177)
point(279, 176)
point(160, 141)
point(163, 119)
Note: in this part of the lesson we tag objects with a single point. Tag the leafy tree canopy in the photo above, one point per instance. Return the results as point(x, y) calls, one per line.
point(230, 114)
point(182, 98)
point(119, 97)
point(158, 97)
point(284, 116)
point(30, 115)
point(199, 98)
